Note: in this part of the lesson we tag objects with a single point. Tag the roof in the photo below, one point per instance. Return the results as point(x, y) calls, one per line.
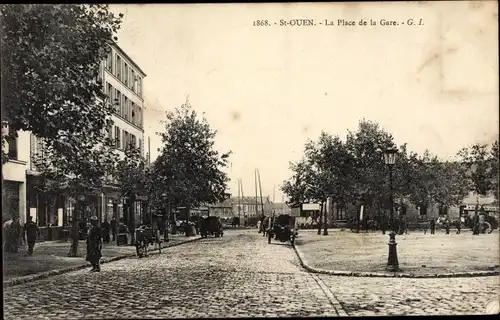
point(250, 200)
point(120, 50)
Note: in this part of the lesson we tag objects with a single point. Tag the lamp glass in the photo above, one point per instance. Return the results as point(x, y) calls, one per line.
point(390, 156)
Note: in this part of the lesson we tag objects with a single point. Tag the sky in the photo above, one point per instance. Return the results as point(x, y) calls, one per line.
point(267, 90)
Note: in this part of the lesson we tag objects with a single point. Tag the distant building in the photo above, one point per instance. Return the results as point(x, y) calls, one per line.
point(250, 206)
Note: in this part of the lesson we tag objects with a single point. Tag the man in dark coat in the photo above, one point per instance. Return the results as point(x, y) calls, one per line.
point(94, 245)
point(114, 227)
point(433, 226)
point(31, 230)
point(475, 224)
point(105, 230)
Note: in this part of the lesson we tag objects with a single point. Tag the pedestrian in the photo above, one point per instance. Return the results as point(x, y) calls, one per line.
point(94, 244)
point(475, 224)
point(31, 230)
point(459, 225)
point(105, 230)
point(114, 226)
point(383, 224)
point(433, 226)
point(447, 225)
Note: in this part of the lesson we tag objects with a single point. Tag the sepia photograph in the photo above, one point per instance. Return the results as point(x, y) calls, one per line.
point(250, 160)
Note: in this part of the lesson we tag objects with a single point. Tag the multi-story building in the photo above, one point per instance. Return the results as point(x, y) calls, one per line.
point(122, 80)
point(14, 176)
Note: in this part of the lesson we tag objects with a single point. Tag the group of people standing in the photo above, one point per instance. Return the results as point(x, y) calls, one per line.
point(14, 235)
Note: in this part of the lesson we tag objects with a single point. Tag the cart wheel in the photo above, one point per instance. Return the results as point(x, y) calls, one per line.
point(487, 227)
point(269, 239)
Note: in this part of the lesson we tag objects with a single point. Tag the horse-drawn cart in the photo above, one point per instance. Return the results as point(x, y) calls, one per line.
point(144, 237)
point(282, 229)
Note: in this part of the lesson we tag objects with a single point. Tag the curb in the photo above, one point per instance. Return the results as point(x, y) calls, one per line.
point(469, 274)
point(46, 274)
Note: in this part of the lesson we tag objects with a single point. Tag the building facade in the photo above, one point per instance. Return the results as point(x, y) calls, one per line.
point(122, 83)
point(14, 176)
point(247, 207)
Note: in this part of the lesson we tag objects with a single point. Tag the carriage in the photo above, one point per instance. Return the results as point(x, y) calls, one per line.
point(144, 237)
point(282, 229)
point(211, 225)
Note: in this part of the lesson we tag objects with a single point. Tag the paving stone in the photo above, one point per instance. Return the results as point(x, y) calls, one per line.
point(239, 275)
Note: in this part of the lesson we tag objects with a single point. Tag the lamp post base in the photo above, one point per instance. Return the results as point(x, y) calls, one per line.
point(392, 261)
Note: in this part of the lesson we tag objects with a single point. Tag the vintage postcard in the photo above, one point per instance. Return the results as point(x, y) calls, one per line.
point(250, 160)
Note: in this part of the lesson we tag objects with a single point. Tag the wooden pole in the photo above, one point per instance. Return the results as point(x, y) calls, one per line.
point(239, 200)
point(260, 188)
point(256, 195)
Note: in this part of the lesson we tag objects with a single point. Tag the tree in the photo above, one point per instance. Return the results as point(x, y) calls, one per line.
point(451, 184)
point(481, 167)
point(51, 57)
point(369, 175)
point(131, 175)
point(423, 172)
point(189, 167)
point(76, 177)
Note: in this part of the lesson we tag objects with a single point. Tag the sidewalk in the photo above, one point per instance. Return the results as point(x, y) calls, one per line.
point(52, 255)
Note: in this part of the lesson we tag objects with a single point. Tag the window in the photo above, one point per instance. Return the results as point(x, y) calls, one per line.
point(125, 140)
point(141, 123)
point(134, 113)
point(139, 86)
point(109, 62)
point(118, 67)
point(117, 138)
point(12, 141)
point(125, 74)
point(118, 102)
point(110, 132)
point(340, 213)
point(132, 80)
point(141, 147)
point(122, 106)
point(110, 92)
point(125, 109)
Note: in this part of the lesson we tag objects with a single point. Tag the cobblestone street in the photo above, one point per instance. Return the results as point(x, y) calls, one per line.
point(239, 275)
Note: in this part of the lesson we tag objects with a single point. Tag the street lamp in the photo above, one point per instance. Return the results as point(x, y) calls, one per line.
point(166, 223)
point(392, 262)
point(390, 159)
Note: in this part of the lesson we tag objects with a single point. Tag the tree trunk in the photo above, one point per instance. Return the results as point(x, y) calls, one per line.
point(320, 218)
point(75, 237)
point(325, 222)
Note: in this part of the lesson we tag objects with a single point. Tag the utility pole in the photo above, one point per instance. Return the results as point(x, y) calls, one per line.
point(239, 201)
point(256, 195)
point(260, 188)
point(243, 197)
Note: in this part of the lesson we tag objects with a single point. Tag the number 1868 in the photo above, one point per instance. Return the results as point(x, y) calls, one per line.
point(261, 23)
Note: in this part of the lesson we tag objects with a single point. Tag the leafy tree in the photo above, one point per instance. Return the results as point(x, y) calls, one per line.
point(76, 177)
point(51, 57)
point(451, 184)
point(189, 167)
point(481, 169)
point(423, 184)
point(369, 173)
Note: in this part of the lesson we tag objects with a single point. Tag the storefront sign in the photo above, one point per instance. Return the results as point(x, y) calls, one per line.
point(311, 207)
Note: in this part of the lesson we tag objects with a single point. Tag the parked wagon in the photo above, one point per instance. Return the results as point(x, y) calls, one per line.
point(144, 237)
point(282, 229)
